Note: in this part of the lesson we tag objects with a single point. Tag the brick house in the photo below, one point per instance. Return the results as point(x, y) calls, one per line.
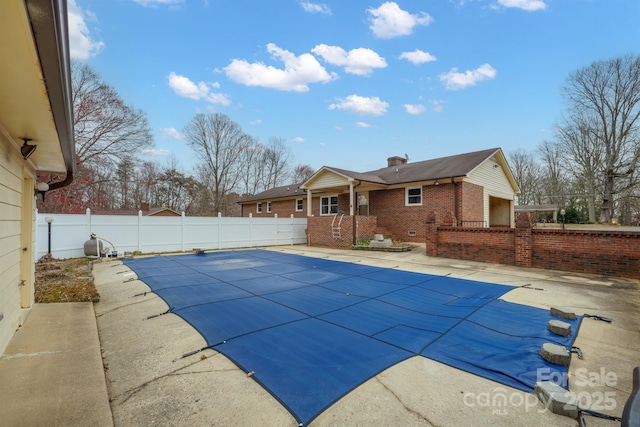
point(473, 189)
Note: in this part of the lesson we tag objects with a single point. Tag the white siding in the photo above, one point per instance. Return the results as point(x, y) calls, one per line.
point(10, 216)
point(328, 179)
point(493, 180)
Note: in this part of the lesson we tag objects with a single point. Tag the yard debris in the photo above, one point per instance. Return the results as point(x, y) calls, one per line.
point(64, 280)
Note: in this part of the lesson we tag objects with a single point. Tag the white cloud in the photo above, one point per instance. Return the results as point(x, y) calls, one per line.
point(156, 152)
point(185, 88)
point(298, 71)
point(390, 21)
point(436, 105)
point(172, 133)
point(315, 7)
point(414, 109)
point(529, 5)
point(360, 61)
point(361, 105)
point(153, 3)
point(81, 44)
point(363, 125)
point(453, 80)
point(255, 122)
point(298, 139)
point(418, 57)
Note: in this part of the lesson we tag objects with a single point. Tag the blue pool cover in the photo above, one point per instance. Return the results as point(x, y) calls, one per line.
point(313, 329)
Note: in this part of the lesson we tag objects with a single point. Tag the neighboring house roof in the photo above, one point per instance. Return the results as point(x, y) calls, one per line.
point(36, 102)
point(457, 166)
point(161, 211)
point(145, 212)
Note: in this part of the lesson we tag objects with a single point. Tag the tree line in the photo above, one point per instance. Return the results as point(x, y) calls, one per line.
point(590, 167)
point(112, 175)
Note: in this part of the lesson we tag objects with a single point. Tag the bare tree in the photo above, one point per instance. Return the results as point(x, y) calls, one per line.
point(251, 168)
point(605, 96)
point(275, 160)
point(219, 143)
point(104, 126)
point(528, 175)
point(584, 155)
point(301, 173)
point(176, 190)
point(147, 180)
point(107, 131)
point(554, 182)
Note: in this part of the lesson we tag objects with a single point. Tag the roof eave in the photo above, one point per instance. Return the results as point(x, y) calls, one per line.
point(50, 31)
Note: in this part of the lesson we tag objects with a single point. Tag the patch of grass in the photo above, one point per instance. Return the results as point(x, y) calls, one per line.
point(66, 280)
point(362, 242)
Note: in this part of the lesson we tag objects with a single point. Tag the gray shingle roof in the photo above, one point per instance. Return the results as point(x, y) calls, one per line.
point(286, 191)
point(444, 167)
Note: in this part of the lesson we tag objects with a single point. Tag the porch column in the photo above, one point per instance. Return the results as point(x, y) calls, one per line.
point(308, 202)
point(351, 198)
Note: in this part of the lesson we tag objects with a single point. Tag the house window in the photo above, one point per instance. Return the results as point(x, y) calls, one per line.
point(328, 205)
point(268, 207)
point(299, 205)
point(258, 207)
point(414, 196)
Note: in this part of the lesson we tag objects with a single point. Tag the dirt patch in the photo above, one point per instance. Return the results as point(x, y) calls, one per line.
point(64, 280)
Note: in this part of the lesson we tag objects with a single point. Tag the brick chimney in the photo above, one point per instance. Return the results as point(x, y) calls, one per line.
point(396, 161)
point(144, 207)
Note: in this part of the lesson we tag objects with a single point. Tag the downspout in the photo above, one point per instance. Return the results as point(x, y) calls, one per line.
point(57, 185)
point(354, 228)
point(66, 181)
point(455, 201)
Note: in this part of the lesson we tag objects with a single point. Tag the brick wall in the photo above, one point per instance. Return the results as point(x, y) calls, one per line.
point(367, 226)
point(284, 208)
point(477, 244)
point(610, 253)
point(319, 232)
point(288, 207)
point(471, 202)
point(603, 252)
point(398, 219)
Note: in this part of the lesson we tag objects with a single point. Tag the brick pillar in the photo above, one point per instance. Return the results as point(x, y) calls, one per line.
point(449, 220)
point(523, 241)
point(431, 235)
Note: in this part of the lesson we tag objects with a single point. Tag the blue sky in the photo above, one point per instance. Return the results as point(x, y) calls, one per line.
point(350, 83)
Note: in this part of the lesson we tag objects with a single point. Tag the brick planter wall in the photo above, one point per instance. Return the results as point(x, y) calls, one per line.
point(319, 232)
point(610, 253)
point(606, 252)
point(477, 244)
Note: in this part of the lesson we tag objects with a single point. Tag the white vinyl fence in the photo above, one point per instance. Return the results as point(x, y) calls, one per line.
point(162, 233)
